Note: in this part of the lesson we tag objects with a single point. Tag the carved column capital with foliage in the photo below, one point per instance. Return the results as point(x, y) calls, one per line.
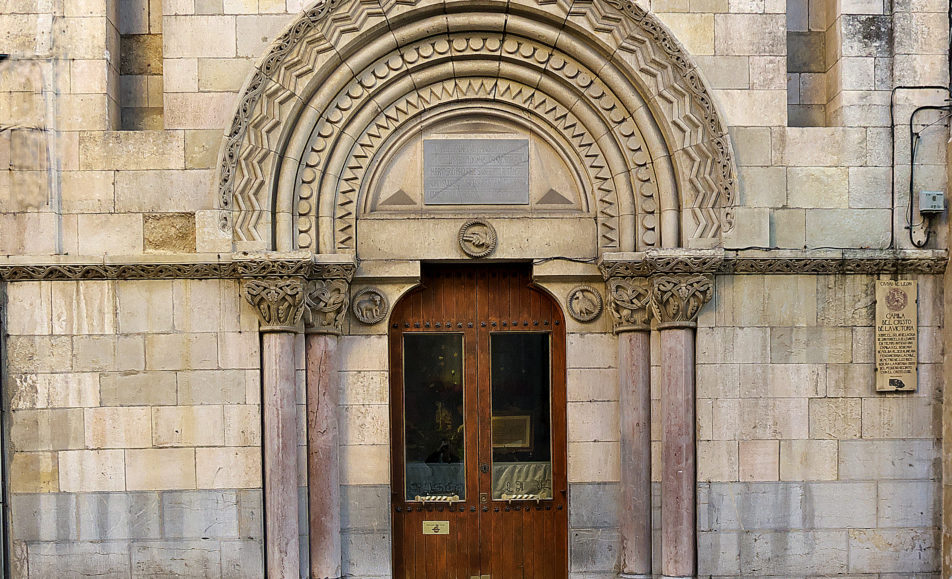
point(278, 301)
point(676, 300)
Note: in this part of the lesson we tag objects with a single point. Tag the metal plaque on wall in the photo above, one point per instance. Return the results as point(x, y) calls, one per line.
point(476, 171)
point(897, 332)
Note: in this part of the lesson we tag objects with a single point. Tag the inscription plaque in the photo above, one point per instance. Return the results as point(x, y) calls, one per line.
point(476, 171)
point(897, 330)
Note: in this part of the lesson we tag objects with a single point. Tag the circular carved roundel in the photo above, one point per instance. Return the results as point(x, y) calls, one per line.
point(477, 238)
point(370, 306)
point(585, 303)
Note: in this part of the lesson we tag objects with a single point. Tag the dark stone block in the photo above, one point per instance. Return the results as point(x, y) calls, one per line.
point(365, 508)
point(594, 505)
point(111, 516)
point(594, 549)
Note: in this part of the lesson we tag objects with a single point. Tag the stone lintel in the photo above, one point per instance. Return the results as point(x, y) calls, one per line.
point(779, 261)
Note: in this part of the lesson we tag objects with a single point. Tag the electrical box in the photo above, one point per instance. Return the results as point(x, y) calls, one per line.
point(931, 201)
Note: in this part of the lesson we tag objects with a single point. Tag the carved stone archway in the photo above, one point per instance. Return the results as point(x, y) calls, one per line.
point(603, 75)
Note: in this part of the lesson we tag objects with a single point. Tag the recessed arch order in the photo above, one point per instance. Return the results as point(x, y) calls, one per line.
point(343, 83)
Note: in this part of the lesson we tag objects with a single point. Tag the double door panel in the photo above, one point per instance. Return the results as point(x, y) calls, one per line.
point(478, 428)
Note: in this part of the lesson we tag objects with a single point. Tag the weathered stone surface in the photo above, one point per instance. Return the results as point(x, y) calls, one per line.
point(92, 471)
point(794, 552)
point(171, 233)
point(365, 554)
point(197, 514)
point(115, 516)
point(759, 460)
point(784, 506)
point(177, 558)
point(242, 559)
point(160, 469)
point(908, 504)
point(79, 559)
point(887, 550)
point(593, 549)
point(44, 517)
point(888, 459)
point(60, 429)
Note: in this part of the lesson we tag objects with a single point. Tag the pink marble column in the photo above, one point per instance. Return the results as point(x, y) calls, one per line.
point(323, 463)
point(279, 303)
point(628, 303)
point(676, 301)
point(327, 304)
point(678, 471)
point(634, 371)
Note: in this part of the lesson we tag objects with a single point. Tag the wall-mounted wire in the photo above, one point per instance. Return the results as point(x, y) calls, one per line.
point(914, 137)
point(892, 148)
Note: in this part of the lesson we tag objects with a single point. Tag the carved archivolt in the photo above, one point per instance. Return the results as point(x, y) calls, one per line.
point(334, 90)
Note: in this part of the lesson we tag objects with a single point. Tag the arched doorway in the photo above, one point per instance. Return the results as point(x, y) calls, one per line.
point(478, 434)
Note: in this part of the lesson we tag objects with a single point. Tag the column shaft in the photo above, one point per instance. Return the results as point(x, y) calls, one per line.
point(323, 463)
point(280, 455)
point(678, 475)
point(634, 373)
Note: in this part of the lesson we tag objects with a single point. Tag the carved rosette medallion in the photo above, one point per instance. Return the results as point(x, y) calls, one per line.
point(676, 300)
point(327, 302)
point(629, 303)
point(278, 301)
point(585, 303)
point(477, 238)
point(370, 306)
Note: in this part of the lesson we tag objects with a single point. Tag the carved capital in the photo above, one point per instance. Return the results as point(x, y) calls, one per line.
point(327, 301)
point(628, 302)
point(278, 301)
point(677, 299)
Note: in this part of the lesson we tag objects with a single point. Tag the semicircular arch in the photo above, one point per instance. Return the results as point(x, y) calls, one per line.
point(324, 104)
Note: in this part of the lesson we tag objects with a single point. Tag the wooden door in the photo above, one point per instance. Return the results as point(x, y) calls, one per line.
point(477, 374)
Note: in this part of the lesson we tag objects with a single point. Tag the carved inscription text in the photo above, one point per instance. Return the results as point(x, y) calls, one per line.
point(897, 330)
point(476, 171)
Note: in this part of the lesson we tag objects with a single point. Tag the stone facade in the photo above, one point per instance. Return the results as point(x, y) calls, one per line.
point(164, 156)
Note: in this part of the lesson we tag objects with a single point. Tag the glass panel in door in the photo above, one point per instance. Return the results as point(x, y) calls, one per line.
point(521, 416)
point(433, 419)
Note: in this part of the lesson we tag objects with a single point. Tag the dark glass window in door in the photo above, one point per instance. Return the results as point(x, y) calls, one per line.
point(433, 421)
point(521, 410)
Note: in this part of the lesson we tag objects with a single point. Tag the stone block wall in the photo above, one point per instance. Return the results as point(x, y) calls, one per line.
point(803, 468)
point(799, 187)
point(134, 429)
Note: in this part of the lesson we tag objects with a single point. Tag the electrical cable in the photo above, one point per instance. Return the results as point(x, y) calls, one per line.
point(892, 141)
point(913, 145)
